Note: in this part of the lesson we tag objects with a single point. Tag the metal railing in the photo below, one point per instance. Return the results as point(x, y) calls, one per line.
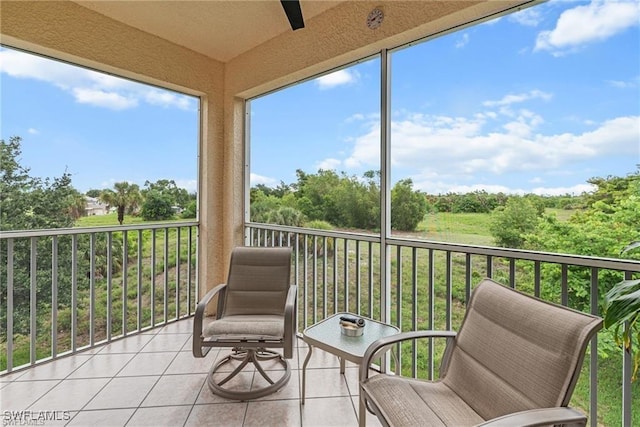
point(430, 282)
point(66, 290)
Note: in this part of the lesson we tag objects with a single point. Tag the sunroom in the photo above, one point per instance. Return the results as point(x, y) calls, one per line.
point(232, 56)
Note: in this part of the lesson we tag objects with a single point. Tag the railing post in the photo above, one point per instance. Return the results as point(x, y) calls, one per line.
point(593, 366)
point(54, 296)
point(33, 272)
point(10, 305)
point(627, 370)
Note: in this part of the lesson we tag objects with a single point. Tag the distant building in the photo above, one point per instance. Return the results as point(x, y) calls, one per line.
point(95, 207)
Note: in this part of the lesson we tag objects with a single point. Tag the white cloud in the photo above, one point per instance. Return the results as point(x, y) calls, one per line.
point(33, 131)
point(87, 86)
point(622, 84)
point(491, 143)
point(191, 185)
point(590, 23)
point(528, 17)
point(329, 164)
point(519, 98)
point(462, 41)
point(440, 187)
point(100, 98)
point(256, 179)
point(337, 78)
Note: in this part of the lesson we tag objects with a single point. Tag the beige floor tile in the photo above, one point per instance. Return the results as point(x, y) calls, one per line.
point(327, 412)
point(186, 363)
point(130, 344)
point(7, 378)
point(166, 342)
point(289, 391)
point(102, 418)
point(184, 326)
point(57, 369)
point(174, 390)
point(319, 359)
point(18, 396)
point(147, 364)
point(169, 416)
point(325, 383)
point(240, 382)
point(70, 395)
point(352, 376)
point(102, 365)
point(273, 413)
point(218, 414)
point(125, 392)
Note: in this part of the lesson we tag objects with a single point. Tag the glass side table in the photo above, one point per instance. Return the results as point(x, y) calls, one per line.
point(326, 335)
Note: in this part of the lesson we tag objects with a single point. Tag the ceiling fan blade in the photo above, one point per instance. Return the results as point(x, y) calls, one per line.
point(294, 13)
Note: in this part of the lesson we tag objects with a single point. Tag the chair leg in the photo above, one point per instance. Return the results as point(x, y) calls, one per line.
point(247, 356)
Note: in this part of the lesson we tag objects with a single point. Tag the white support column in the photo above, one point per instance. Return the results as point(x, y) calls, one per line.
point(385, 190)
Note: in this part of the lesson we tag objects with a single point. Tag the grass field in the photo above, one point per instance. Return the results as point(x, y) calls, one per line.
point(110, 219)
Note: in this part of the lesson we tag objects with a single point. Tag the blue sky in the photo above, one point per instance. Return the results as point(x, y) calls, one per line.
point(538, 101)
point(99, 128)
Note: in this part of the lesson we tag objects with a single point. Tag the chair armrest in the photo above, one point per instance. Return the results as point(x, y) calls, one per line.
point(198, 319)
point(539, 417)
point(383, 343)
point(290, 310)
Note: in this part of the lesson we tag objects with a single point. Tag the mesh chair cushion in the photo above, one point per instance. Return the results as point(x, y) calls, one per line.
point(514, 352)
point(258, 281)
point(409, 402)
point(246, 327)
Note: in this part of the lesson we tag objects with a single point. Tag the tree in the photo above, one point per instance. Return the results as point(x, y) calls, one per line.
point(125, 198)
point(407, 206)
point(77, 204)
point(191, 210)
point(177, 196)
point(512, 222)
point(602, 229)
point(157, 206)
point(28, 203)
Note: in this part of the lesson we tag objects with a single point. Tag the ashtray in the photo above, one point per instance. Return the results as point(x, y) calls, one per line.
point(351, 330)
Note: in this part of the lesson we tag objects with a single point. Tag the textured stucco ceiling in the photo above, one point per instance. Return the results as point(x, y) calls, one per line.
point(219, 29)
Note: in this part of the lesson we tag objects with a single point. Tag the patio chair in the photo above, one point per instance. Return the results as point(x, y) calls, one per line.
point(514, 362)
point(256, 313)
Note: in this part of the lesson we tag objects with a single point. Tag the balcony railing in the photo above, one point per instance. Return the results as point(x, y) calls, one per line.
point(65, 290)
point(430, 283)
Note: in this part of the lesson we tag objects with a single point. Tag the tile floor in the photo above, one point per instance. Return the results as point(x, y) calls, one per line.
point(153, 379)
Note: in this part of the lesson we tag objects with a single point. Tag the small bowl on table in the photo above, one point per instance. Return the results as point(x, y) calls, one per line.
point(351, 330)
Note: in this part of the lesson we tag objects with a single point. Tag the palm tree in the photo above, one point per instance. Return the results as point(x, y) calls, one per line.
point(126, 197)
point(77, 204)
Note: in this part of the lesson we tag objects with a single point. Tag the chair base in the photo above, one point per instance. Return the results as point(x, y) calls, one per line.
point(246, 356)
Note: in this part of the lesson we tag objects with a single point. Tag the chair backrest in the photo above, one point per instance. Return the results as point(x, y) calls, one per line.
point(258, 282)
point(515, 352)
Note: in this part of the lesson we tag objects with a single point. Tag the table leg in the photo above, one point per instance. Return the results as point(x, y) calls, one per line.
point(304, 371)
point(341, 365)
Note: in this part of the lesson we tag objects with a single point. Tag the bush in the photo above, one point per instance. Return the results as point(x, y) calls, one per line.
point(157, 207)
point(408, 207)
point(512, 222)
